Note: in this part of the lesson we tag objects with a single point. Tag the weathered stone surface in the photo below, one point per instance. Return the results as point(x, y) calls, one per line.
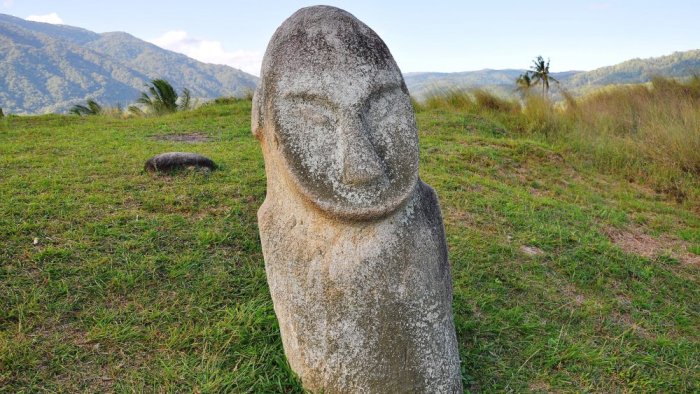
point(353, 240)
point(172, 161)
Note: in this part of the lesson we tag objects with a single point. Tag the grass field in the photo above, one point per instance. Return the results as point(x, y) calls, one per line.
point(567, 278)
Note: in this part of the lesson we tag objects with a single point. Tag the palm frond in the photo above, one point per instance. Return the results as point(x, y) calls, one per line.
point(185, 100)
point(92, 108)
point(162, 98)
point(95, 108)
point(135, 110)
point(79, 110)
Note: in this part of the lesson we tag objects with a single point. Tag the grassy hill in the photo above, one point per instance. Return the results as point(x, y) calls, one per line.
point(568, 275)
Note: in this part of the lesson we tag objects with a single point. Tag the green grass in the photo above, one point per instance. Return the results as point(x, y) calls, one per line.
point(146, 283)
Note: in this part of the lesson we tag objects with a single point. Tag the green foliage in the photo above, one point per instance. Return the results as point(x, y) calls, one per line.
point(162, 99)
point(523, 83)
point(92, 108)
point(133, 282)
point(135, 110)
point(539, 73)
point(229, 100)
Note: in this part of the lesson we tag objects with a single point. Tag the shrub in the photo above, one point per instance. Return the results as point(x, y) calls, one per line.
point(486, 100)
point(448, 99)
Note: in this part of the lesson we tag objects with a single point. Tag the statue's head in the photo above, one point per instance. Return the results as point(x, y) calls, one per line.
point(332, 103)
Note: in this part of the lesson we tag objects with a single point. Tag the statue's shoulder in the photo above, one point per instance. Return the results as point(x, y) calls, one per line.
point(266, 213)
point(428, 200)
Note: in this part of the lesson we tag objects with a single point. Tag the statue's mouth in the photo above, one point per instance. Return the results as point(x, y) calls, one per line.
point(367, 201)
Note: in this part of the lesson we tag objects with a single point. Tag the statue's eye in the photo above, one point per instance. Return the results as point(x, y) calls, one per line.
point(382, 115)
point(312, 110)
point(316, 115)
point(381, 104)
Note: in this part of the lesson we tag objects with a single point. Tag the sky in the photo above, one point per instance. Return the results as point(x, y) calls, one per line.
point(426, 35)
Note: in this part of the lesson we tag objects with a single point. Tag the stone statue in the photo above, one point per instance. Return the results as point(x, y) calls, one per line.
point(353, 240)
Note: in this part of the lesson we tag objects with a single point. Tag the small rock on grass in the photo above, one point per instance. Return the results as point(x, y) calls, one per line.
point(173, 161)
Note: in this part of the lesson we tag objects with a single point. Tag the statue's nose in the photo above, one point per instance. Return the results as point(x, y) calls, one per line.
point(361, 164)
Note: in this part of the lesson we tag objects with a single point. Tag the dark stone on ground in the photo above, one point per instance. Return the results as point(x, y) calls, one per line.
point(173, 161)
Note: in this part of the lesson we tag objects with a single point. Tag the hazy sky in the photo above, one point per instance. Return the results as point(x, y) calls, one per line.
point(426, 35)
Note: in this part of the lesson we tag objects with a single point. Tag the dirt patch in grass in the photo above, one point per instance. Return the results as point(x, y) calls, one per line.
point(531, 251)
point(626, 321)
point(192, 138)
point(539, 387)
point(635, 241)
point(570, 292)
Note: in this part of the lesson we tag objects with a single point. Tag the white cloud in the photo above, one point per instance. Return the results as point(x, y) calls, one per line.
point(209, 51)
point(48, 18)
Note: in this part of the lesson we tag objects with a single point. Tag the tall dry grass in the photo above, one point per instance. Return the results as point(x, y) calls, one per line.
point(449, 99)
point(650, 133)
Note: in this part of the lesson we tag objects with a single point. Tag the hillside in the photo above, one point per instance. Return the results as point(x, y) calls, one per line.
point(48, 68)
point(502, 82)
point(567, 276)
point(677, 65)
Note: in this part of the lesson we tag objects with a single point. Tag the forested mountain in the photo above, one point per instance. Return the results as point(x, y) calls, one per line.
point(48, 68)
point(678, 65)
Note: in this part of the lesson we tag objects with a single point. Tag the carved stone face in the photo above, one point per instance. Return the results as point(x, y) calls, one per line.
point(341, 117)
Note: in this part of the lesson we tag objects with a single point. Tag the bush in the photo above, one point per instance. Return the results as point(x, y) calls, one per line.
point(489, 101)
point(448, 99)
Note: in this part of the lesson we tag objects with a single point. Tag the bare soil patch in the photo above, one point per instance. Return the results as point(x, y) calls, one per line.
point(635, 241)
point(531, 250)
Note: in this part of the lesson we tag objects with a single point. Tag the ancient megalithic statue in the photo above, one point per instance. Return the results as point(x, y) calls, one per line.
point(353, 240)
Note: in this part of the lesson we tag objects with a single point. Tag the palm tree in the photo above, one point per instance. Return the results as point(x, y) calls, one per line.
point(92, 108)
point(540, 74)
point(523, 83)
point(163, 98)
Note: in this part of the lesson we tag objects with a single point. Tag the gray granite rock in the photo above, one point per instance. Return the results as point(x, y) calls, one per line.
point(353, 240)
point(172, 161)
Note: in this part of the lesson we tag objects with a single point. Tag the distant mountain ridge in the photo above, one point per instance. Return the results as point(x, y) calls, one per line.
point(676, 65)
point(49, 68)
